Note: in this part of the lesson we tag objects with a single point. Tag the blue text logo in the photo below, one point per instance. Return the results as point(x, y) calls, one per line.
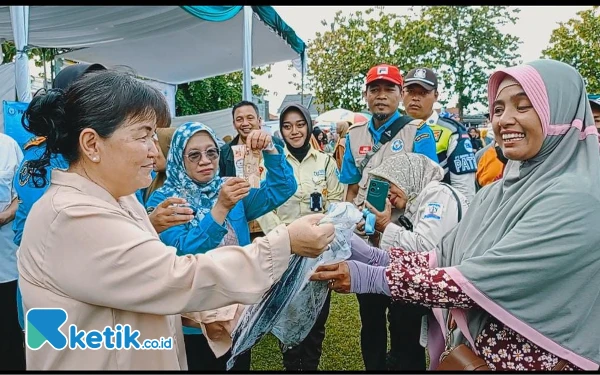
point(43, 326)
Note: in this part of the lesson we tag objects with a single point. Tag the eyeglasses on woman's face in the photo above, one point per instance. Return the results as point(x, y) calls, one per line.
point(195, 156)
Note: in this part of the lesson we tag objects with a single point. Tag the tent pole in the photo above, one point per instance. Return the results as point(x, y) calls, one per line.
point(247, 59)
point(302, 88)
point(19, 16)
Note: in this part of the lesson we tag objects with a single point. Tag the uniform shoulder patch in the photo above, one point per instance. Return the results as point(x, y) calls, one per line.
point(421, 137)
point(433, 211)
point(437, 133)
point(35, 141)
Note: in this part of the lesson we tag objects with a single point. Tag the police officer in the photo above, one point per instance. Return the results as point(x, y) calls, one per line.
point(365, 151)
point(454, 149)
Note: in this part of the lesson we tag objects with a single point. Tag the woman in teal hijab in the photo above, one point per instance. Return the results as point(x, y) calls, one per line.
point(520, 273)
point(223, 207)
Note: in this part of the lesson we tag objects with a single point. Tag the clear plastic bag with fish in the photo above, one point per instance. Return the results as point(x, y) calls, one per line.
point(291, 306)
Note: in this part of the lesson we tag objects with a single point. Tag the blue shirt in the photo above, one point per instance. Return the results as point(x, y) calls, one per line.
point(279, 185)
point(28, 193)
point(424, 143)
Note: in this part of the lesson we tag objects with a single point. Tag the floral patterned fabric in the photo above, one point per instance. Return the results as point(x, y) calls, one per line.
point(411, 280)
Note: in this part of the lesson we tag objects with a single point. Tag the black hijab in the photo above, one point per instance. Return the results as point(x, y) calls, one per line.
point(300, 152)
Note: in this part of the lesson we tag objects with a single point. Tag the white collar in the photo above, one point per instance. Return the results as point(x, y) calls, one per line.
point(433, 119)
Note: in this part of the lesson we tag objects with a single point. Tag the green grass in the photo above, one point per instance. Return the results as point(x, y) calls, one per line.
point(341, 348)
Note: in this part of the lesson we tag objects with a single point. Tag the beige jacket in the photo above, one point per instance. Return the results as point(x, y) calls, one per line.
point(316, 173)
point(101, 260)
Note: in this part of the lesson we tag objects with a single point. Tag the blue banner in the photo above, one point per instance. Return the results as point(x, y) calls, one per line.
point(13, 113)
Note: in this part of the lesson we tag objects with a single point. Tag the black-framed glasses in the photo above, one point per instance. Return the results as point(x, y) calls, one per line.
point(195, 156)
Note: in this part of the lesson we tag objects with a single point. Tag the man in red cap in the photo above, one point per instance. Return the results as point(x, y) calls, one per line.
point(367, 145)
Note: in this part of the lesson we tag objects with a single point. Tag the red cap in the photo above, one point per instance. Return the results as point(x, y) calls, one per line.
point(387, 72)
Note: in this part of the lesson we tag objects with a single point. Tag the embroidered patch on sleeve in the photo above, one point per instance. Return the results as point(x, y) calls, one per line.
point(433, 211)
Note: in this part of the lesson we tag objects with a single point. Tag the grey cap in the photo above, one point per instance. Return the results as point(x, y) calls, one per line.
point(423, 77)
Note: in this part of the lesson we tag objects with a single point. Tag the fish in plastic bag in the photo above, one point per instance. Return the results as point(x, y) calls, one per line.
point(291, 306)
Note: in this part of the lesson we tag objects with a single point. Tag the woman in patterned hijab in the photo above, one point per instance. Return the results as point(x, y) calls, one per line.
point(223, 208)
point(431, 208)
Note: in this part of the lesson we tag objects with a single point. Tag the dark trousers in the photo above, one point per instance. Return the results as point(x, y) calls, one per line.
point(201, 358)
point(405, 328)
point(12, 344)
point(307, 355)
point(406, 353)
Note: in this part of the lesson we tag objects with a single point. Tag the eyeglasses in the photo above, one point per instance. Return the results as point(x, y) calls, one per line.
point(195, 156)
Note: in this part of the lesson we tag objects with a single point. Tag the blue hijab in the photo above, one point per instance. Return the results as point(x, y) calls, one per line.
point(202, 196)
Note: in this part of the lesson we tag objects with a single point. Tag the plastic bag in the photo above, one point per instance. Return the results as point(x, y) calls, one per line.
point(290, 308)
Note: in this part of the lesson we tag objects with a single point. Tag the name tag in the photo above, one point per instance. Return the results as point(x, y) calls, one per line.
point(363, 150)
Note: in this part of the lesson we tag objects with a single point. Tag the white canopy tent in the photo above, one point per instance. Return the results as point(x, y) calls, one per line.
point(220, 121)
point(165, 43)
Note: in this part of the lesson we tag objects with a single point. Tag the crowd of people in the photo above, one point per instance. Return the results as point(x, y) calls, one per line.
point(483, 241)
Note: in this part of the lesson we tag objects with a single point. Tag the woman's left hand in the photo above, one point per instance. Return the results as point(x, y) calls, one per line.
point(259, 140)
point(337, 274)
point(168, 214)
point(382, 219)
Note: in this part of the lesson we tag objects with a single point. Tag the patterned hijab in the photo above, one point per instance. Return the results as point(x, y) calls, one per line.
point(179, 184)
point(411, 173)
point(527, 251)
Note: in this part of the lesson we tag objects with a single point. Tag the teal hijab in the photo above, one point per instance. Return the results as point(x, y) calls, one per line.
point(528, 249)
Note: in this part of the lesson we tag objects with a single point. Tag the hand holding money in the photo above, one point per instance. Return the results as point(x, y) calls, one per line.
point(260, 140)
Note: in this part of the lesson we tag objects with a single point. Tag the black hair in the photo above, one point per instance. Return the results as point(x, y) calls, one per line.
point(391, 83)
point(244, 103)
point(100, 100)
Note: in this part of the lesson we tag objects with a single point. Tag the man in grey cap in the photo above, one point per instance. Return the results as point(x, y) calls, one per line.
point(456, 156)
point(595, 104)
point(454, 150)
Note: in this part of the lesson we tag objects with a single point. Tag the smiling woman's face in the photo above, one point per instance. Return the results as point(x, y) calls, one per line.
point(294, 128)
point(517, 126)
point(126, 158)
point(205, 169)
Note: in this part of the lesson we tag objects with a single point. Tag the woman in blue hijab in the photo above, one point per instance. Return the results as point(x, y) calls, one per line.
point(223, 207)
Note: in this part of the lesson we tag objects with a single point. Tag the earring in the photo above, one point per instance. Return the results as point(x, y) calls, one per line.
point(95, 158)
